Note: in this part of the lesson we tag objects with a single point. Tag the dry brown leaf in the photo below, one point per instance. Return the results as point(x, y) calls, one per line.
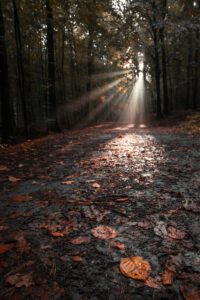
point(20, 280)
point(80, 240)
point(104, 158)
point(167, 277)
point(13, 179)
point(56, 234)
point(119, 246)
point(68, 182)
point(135, 267)
point(153, 282)
point(5, 248)
point(22, 245)
point(121, 200)
point(3, 168)
point(104, 232)
point(175, 234)
point(64, 258)
point(96, 185)
point(190, 291)
point(145, 224)
point(22, 198)
point(77, 258)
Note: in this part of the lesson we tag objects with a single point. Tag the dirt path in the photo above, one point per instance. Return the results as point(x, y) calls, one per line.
point(142, 183)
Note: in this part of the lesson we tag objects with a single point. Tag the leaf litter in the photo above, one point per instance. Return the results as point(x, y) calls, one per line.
point(126, 195)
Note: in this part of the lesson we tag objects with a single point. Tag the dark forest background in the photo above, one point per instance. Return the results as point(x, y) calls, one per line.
point(73, 62)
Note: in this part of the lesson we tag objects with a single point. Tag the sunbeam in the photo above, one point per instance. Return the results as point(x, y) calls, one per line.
point(91, 96)
point(101, 76)
point(134, 110)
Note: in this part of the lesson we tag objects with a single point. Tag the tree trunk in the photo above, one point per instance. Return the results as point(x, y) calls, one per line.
point(157, 61)
point(189, 62)
point(52, 123)
point(21, 81)
point(164, 66)
point(90, 60)
point(6, 109)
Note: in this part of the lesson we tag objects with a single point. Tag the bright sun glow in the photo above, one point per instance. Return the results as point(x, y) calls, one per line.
point(135, 107)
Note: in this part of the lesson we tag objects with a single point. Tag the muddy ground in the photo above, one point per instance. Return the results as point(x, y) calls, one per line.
point(142, 183)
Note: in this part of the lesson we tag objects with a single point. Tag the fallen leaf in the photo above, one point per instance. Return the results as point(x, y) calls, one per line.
point(119, 246)
point(80, 240)
point(145, 225)
point(56, 234)
point(175, 234)
point(167, 277)
point(160, 229)
point(77, 258)
point(22, 245)
point(174, 262)
point(153, 282)
point(135, 267)
point(64, 258)
point(3, 168)
point(195, 183)
point(22, 198)
point(13, 179)
point(190, 291)
point(68, 182)
point(96, 185)
point(104, 158)
point(104, 232)
point(5, 248)
point(20, 280)
point(121, 200)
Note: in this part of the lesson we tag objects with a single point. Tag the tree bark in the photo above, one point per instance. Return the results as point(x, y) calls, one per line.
point(52, 123)
point(196, 59)
point(157, 61)
point(6, 108)
point(164, 63)
point(189, 62)
point(21, 78)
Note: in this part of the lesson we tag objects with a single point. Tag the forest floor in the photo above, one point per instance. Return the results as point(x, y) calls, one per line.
point(141, 186)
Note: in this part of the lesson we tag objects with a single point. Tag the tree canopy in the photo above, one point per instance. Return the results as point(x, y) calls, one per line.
point(72, 62)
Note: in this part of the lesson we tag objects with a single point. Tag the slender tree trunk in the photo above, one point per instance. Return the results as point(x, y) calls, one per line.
point(189, 61)
point(164, 69)
point(197, 61)
point(52, 107)
point(164, 62)
point(90, 60)
point(157, 61)
point(21, 78)
point(196, 73)
point(6, 109)
point(63, 64)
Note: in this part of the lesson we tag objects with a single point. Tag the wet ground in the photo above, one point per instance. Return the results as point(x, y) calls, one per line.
point(142, 183)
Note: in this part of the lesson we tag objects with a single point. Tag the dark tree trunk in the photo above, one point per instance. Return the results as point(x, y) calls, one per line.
point(6, 109)
point(63, 64)
point(189, 62)
point(196, 73)
point(157, 61)
point(90, 60)
point(21, 81)
point(52, 123)
point(164, 63)
point(196, 59)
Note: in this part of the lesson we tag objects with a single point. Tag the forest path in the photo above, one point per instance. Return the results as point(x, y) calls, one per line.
point(142, 183)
